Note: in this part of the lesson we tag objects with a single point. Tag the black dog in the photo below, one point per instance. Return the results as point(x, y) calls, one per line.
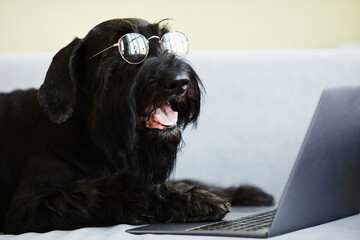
point(95, 145)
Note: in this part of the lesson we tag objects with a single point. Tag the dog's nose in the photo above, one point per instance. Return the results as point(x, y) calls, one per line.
point(177, 85)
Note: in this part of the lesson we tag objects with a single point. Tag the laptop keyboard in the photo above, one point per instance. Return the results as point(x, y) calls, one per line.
point(251, 223)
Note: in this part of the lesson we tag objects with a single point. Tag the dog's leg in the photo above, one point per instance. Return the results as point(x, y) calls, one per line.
point(244, 195)
point(40, 207)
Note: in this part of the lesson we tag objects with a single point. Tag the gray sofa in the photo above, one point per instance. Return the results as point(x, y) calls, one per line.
point(256, 110)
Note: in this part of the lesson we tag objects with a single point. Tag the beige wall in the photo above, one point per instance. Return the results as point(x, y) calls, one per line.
point(48, 25)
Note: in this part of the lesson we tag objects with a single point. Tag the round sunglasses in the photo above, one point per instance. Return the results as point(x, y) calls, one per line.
point(134, 47)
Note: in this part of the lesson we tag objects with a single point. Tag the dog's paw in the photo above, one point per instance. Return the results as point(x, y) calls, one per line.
point(191, 204)
point(250, 196)
point(206, 206)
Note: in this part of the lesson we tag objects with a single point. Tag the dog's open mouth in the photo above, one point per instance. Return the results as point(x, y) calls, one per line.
point(162, 118)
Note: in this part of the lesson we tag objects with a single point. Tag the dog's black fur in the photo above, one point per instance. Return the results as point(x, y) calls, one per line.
point(76, 152)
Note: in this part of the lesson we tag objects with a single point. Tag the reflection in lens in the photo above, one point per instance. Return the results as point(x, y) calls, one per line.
point(133, 47)
point(175, 43)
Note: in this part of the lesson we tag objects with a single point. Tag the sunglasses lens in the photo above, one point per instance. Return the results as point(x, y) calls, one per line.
point(175, 43)
point(133, 48)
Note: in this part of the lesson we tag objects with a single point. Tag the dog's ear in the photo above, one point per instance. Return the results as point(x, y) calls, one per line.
point(57, 95)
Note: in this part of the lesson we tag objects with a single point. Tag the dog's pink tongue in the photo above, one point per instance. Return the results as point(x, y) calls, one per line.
point(162, 117)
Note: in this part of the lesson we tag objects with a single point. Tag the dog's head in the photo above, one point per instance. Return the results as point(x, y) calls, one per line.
point(134, 112)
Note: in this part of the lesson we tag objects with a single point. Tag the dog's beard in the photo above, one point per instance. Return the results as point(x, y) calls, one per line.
point(156, 160)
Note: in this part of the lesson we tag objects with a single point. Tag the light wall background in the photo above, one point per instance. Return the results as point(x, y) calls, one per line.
point(48, 25)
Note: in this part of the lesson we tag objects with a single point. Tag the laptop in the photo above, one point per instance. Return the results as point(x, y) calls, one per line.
point(323, 186)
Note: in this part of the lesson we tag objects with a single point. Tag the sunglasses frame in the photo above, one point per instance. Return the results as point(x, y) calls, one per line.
point(147, 46)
